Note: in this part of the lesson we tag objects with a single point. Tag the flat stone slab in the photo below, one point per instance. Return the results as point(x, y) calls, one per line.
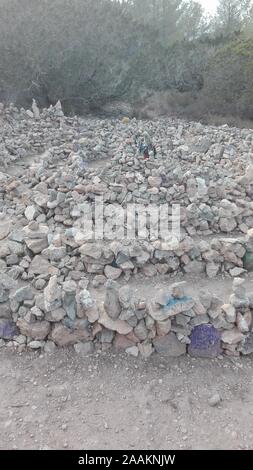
point(205, 341)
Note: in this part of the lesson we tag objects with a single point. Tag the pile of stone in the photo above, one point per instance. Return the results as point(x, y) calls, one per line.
point(65, 313)
point(47, 263)
point(31, 132)
point(36, 250)
point(207, 170)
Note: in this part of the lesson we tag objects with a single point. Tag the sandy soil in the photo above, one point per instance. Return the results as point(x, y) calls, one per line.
point(113, 401)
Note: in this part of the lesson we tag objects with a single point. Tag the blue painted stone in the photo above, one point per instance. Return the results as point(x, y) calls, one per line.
point(172, 301)
point(205, 341)
point(8, 329)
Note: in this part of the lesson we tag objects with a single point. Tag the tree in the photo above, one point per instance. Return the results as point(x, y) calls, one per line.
point(231, 17)
point(228, 80)
point(173, 20)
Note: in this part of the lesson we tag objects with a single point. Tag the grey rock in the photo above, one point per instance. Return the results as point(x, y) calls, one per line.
point(214, 400)
point(22, 294)
point(169, 346)
point(84, 349)
point(112, 303)
point(52, 295)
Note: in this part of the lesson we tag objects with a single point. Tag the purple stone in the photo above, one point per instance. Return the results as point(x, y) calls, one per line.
point(8, 329)
point(205, 341)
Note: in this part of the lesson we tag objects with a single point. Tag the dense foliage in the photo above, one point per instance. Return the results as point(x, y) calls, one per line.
point(88, 53)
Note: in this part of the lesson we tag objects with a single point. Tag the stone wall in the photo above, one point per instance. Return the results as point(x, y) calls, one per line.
point(65, 313)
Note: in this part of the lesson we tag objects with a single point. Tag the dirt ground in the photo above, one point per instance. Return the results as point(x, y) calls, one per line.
point(112, 401)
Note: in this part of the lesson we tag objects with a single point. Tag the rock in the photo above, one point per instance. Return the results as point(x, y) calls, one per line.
point(41, 200)
point(141, 331)
point(112, 273)
point(212, 270)
point(238, 288)
point(4, 295)
point(133, 351)
point(123, 342)
point(195, 267)
point(177, 290)
point(205, 341)
point(248, 261)
point(172, 306)
point(36, 312)
point(98, 280)
point(69, 299)
point(84, 349)
point(5, 229)
point(36, 245)
point(169, 345)
point(146, 349)
point(125, 297)
point(52, 295)
point(163, 327)
point(20, 339)
point(106, 336)
point(8, 329)
point(175, 306)
point(202, 188)
point(236, 271)
point(229, 312)
point(92, 314)
point(38, 330)
point(36, 344)
point(35, 110)
point(233, 336)
point(156, 312)
point(54, 253)
point(247, 344)
point(85, 299)
point(63, 336)
point(31, 212)
point(40, 284)
point(227, 225)
point(121, 326)
point(239, 302)
point(214, 400)
point(112, 304)
point(249, 173)
point(149, 270)
point(199, 308)
point(5, 310)
point(55, 315)
point(200, 320)
point(154, 181)
point(49, 347)
point(40, 265)
point(241, 323)
point(22, 294)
